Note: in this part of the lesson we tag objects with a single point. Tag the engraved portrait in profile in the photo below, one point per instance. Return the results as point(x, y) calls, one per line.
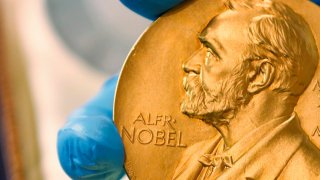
point(256, 59)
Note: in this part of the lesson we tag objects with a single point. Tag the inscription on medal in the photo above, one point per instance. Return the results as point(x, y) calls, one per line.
point(316, 132)
point(316, 89)
point(165, 135)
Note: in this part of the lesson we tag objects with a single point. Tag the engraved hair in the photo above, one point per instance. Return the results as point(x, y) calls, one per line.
point(279, 34)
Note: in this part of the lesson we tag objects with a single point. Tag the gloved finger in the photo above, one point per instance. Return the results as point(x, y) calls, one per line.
point(150, 9)
point(89, 144)
point(316, 1)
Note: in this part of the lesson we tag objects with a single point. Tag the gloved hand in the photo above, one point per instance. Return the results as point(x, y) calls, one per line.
point(316, 1)
point(150, 9)
point(89, 145)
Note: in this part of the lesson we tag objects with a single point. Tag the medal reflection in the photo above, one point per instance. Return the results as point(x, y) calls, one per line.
point(256, 59)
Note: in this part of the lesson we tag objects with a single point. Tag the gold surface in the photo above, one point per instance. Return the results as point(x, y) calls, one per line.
point(260, 136)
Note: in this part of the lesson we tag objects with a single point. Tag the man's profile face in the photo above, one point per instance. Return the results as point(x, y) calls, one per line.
point(215, 74)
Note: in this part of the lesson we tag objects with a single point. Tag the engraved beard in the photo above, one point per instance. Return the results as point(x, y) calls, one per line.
point(218, 105)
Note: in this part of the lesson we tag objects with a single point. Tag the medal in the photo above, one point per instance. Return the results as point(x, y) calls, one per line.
point(232, 83)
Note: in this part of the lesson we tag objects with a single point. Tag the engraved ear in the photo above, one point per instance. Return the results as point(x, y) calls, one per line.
point(262, 77)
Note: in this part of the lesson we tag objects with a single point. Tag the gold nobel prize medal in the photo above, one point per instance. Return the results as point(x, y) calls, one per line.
point(224, 90)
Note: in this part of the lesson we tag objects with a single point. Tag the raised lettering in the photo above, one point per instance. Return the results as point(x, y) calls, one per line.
point(149, 120)
point(179, 143)
point(316, 89)
point(316, 132)
point(158, 119)
point(168, 120)
point(128, 135)
point(316, 86)
point(172, 136)
point(140, 118)
point(147, 138)
point(160, 138)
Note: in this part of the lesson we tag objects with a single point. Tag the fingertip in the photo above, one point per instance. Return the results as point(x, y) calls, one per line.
point(316, 1)
point(90, 146)
point(150, 9)
point(64, 152)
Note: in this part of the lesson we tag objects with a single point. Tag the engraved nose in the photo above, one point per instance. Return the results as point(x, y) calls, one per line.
point(193, 63)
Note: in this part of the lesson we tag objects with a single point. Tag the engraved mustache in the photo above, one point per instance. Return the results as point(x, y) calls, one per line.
point(194, 93)
point(191, 82)
point(185, 83)
point(192, 85)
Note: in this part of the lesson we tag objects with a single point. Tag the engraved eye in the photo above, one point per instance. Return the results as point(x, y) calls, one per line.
point(209, 53)
point(210, 56)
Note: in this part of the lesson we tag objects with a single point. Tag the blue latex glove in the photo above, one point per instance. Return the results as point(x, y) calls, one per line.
point(150, 9)
point(89, 145)
point(316, 1)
